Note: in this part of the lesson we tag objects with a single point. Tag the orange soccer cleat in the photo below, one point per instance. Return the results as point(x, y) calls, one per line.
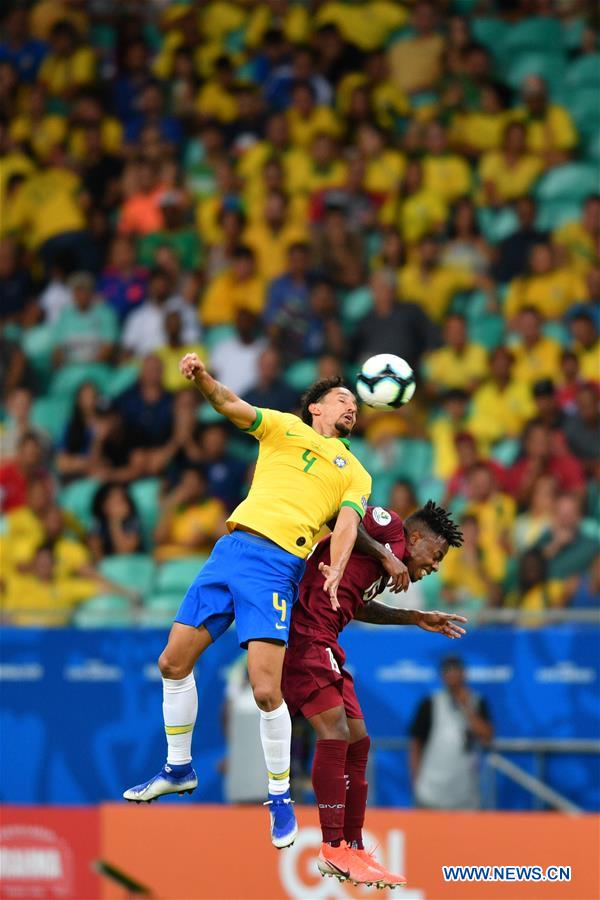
point(347, 865)
point(383, 877)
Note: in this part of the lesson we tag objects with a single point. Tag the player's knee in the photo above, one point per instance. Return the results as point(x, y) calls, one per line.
point(172, 668)
point(339, 731)
point(267, 696)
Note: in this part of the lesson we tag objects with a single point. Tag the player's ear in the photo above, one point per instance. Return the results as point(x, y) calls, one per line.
point(314, 409)
point(413, 537)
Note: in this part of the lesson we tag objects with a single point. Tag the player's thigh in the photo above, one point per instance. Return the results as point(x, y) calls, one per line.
point(185, 646)
point(357, 729)
point(331, 724)
point(265, 664)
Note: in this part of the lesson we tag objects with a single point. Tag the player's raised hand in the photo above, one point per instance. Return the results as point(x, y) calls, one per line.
point(399, 577)
point(191, 365)
point(440, 622)
point(333, 576)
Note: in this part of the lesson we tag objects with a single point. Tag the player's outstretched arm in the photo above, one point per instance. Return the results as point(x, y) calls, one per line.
point(227, 403)
point(342, 543)
point(377, 613)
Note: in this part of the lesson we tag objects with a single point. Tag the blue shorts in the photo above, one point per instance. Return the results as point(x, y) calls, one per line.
point(247, 578)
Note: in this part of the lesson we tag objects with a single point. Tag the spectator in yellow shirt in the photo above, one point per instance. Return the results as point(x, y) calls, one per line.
point(458, 363)
point(536, 356)
point(547, 287)
point(502, 405)
point(421, 211)
point(535, 591)
point(384, 166)
point(416, 62)
point(444, 173)
point(476, 131)
point(277, 144)
point(472, 574)
point(35, 127)
point(306, 119)
point(190, 521)
point(216, 98)
point(173, 350)
point(240, 287)
point(69, 66)
point(580, 241)
point(327, 170)
point(367, 25)
point(550, 131)
point(586, 343)
point(447, 430)
point(271, 238)
point(509, 173)
point(429, 284)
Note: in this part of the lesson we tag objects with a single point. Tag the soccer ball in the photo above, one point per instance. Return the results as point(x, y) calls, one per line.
point(385, 381)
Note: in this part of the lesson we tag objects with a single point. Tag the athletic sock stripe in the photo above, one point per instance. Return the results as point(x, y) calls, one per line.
point(281, 777)
point(179, 729)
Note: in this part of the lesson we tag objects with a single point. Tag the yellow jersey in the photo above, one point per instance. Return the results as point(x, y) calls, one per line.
point(302, 480)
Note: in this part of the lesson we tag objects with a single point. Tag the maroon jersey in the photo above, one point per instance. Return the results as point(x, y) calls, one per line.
point(363, 579)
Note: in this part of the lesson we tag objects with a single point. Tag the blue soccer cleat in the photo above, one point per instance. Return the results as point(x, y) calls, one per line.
point(284, 827)
point(170, 780)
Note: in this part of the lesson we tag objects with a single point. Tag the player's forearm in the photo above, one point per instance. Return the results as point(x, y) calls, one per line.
point(368, 545)
point(377, 613)
point(225, 401)
point(343, 539)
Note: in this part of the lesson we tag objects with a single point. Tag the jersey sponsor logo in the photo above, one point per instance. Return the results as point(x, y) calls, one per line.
point(292, 434)
point(381, 516)
point(340, 462)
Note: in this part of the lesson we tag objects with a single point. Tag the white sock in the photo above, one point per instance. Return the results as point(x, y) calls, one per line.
point(276, 737)
point(180, 707)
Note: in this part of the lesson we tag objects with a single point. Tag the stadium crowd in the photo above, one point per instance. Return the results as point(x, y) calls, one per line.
point(287, 188)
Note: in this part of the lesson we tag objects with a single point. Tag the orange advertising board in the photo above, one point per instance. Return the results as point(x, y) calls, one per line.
point(224, 853)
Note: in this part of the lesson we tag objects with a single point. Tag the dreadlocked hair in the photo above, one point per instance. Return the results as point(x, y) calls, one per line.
point(438, 520)
point(316, 392)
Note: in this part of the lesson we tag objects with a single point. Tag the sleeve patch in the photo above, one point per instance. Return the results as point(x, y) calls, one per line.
point(381, 515)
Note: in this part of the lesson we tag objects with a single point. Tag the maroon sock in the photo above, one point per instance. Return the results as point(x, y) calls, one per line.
point(356, 795)
point(329, 784)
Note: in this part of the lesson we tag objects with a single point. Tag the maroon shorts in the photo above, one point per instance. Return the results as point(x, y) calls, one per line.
point(314, 679)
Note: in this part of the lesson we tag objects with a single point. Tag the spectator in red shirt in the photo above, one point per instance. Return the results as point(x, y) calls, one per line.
point(468, 460)
point(18, 474)
point(541, 456)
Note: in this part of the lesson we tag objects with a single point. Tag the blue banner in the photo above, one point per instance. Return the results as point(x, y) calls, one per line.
point(80, 711)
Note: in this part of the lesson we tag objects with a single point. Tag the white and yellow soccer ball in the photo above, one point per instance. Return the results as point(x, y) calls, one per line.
point(385, 381)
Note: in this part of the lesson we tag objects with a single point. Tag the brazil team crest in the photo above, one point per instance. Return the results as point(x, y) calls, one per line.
point(340, 462)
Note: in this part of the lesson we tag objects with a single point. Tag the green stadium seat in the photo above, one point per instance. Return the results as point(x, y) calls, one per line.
point(68, 379)
point(355, 305)
point(78, 497)
point(207, 415)
point(539, 33)
point(51, 414)
point(121, 378)
point(432, 591)
point(554, 213)
point(592, 148)
point(431, 489)
point(590, 528)
point(490, 32)
point(144, 494)
point(505, 452)
point(301, 374)
point(104, 611)
point(131, 570)
point(584, 108)
point(558, 332)
point(37, 344)
point(572, 33)
point(245, 450)
point(548, 65)
point(497, 224)
point(584, 72)
point(412, 459)
point(159, 610)
point(570, 182)
point(177, 574)
point(216, 335)
point(487, 330)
